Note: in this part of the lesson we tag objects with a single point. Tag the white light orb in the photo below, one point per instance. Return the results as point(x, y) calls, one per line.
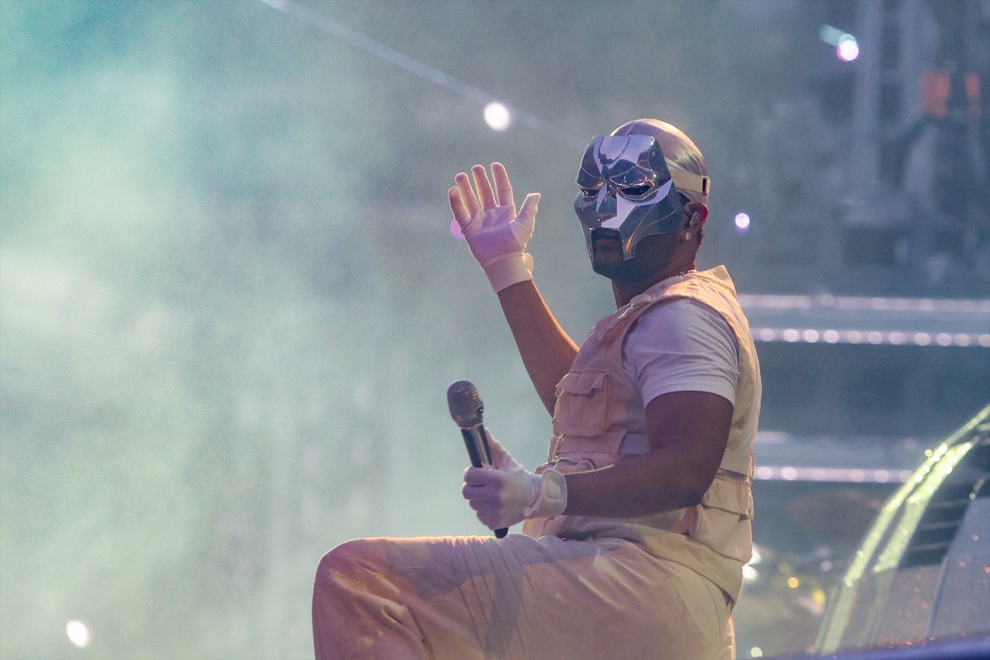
point(848, 49)
point(78, 633)
point(742, 223)
point(497, 116)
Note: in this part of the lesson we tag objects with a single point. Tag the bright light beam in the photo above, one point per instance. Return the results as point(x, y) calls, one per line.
point(422, 70)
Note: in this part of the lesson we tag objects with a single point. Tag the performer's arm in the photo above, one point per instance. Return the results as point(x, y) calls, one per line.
point(688, 432)
point(546, 350)
point(497, 237)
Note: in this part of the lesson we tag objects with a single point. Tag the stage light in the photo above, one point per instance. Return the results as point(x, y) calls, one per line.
point(78, 633)
point(845, 44)
point(750, 574)
point(497, 116)
point(848, 49)
point(742, 223)
point(756, 652)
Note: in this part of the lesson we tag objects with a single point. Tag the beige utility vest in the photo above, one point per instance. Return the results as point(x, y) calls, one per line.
point(591, 426)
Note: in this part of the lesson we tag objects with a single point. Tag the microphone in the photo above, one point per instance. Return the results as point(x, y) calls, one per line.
point(466, 410)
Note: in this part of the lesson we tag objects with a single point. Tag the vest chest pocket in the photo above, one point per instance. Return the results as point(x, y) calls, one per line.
point(582, 403)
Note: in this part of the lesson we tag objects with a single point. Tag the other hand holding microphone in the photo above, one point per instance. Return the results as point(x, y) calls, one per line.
point(505, 493)
point(494, 232)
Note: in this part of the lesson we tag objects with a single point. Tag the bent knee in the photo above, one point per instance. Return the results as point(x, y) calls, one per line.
point(348, 558)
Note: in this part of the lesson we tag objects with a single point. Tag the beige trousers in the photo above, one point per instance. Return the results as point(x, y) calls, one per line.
point(461, 598)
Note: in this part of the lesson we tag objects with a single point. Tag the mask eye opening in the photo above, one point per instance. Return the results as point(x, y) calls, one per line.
point(637, 190)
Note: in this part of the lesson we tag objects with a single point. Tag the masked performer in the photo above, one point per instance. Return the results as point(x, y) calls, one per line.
point(637, 528)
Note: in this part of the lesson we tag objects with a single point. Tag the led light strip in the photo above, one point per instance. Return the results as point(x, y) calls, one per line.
point(847, 475)
point(914, 305)
point(829, 336)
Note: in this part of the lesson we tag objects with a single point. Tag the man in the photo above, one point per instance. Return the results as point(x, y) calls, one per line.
point(637, 528)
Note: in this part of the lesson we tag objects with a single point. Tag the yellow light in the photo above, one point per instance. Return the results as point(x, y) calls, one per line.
point(793, 582)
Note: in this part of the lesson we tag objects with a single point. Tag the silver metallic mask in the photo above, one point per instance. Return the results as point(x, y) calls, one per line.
point(626, 187)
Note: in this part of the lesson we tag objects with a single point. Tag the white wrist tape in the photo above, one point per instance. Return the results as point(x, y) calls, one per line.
point(513, 269)
point(551, 495)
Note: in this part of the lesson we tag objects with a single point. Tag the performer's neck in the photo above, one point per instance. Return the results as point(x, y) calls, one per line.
point(626, 291)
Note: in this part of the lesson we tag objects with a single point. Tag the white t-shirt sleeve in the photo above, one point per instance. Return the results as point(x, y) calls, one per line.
point(682, 346)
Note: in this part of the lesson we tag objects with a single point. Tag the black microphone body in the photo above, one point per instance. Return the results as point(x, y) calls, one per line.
point(467, 410)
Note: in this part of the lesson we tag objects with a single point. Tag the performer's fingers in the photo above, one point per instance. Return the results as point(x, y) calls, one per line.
point(467, 195)
point(457, 207)
point(478, 493)
point(499, 455)
point(481, 477)
point(485, 193)
point(530, 206)
point(502, 185)
point(469, 492)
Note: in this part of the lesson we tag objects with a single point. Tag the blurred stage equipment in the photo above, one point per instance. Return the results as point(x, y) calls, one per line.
point(922, 572)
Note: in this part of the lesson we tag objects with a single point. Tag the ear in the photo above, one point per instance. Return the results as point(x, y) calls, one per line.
point(695, 208)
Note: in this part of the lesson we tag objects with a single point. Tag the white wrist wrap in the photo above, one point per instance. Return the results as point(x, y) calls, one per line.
point(551, 495)
point(513, 269)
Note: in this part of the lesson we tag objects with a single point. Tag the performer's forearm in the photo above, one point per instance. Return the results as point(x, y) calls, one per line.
point(653, 483)
point(546, 350)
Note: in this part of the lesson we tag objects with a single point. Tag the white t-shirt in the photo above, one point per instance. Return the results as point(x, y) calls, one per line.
point(678, 346)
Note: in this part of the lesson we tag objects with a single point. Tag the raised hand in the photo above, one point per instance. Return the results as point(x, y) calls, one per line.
point(494, 232)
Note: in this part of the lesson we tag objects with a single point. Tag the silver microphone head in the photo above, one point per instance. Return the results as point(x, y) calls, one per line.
point(465, 404)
